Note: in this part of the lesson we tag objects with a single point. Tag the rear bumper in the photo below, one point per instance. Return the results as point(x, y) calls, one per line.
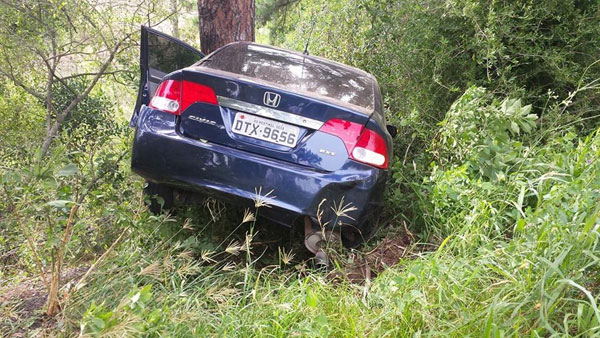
point(163, 156)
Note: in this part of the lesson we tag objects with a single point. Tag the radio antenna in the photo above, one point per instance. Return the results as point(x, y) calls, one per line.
point(312, 27)
point(305, 52)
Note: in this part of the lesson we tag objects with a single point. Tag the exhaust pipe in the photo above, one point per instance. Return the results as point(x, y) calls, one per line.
point(316, 239)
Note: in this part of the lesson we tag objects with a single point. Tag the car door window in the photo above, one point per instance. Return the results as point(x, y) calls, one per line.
point(165, 56)
point(160, 54)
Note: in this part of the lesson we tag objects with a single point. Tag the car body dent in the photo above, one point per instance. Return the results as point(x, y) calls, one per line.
point(164, 156)
point(197, 150)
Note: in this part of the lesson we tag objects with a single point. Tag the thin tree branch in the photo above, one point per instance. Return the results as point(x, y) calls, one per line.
point(50, 82)
point(53, 302)
point(27, 234)
point(52, 70)
point(29, 90)
point(60, 117)
point(94, 74)
point(96, 263)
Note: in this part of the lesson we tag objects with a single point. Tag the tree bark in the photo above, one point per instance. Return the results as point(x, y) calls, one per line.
point(175, 18)
point(224, 21)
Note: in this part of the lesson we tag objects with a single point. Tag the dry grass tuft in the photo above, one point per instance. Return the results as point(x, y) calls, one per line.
point(261, 200)
point(153, 270)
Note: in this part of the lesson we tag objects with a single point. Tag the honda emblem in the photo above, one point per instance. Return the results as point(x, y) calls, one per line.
point(271, 99)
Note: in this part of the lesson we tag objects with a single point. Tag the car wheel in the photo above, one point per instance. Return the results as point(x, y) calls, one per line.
point(159, 197)
point(353, 237)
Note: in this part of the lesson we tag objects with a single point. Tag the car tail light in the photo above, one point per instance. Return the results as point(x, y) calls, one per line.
point(371, 148)
point(175, 96)
point(363, 144)
point(167, 97)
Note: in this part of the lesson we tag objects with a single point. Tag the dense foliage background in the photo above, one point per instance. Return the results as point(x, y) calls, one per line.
point(495, 191)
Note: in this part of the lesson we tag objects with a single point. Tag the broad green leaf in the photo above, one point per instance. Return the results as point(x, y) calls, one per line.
point(68, 170)
point(59, 204)
point(514, 127)
point(99, 323)
point(311, 299)
point(520, 225)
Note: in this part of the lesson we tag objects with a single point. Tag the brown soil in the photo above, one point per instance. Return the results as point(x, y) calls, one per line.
point(389, 252)
point(367, 265)
point(22, 305)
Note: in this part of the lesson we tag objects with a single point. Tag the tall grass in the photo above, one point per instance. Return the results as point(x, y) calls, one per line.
point(492, 275)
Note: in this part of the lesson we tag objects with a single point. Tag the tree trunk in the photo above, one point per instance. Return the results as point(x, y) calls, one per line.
point(224, 21)
point(175, 18)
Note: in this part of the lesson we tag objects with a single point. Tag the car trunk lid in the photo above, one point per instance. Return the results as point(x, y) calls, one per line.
point(268, 120)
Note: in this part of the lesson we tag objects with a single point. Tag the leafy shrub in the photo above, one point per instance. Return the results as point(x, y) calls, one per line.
point(22, 125)
point(531, 273)
point(426, 53)
point(93, 121)
point(483, 134)
point(143, 319)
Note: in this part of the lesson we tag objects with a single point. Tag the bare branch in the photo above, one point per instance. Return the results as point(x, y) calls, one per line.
point(61, 116)
point(50, 82)
point(94, 74)
point(96, 263)
point(69, 19)
point(52, 70)
point(29, 90)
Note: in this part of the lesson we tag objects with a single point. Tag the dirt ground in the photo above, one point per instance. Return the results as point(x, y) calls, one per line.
point(389, 251)
point(21, 305)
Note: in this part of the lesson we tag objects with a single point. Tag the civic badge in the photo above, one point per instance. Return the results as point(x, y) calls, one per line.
point(326, 152)
point(271, 99)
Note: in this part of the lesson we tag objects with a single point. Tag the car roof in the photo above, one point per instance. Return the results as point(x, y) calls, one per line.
point(307, 56)
point(295, 71)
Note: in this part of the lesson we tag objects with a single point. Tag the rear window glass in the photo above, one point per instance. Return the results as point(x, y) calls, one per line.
point(295, 72)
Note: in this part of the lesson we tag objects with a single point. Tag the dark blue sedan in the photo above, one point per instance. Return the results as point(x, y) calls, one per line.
point(305, 134)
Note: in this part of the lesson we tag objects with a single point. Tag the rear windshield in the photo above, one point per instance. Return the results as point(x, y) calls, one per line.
point(296, 72)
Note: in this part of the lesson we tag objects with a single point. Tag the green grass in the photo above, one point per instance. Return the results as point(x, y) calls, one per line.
point(502, 197)
point(539, 278)
point(509, 252)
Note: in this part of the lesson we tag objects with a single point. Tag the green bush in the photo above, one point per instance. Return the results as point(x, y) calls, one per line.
point(92, 122)
point(22, 125)
point(426, 53)
point(483, 133)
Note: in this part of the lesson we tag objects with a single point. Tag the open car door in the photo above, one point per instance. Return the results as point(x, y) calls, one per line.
point(160, 54)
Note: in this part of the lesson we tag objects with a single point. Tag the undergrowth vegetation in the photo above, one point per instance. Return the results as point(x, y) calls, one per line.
point(495, 192)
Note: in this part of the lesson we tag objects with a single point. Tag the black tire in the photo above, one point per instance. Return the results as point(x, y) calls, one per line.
point(353, 237)
point(159, 196)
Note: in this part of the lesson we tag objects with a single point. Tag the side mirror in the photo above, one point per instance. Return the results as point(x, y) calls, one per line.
point(392, 130)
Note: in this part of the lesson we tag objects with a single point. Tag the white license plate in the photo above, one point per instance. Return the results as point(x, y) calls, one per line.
point(265, 129)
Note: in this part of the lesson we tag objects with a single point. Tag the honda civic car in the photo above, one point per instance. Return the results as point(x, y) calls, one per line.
point(248, 121)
